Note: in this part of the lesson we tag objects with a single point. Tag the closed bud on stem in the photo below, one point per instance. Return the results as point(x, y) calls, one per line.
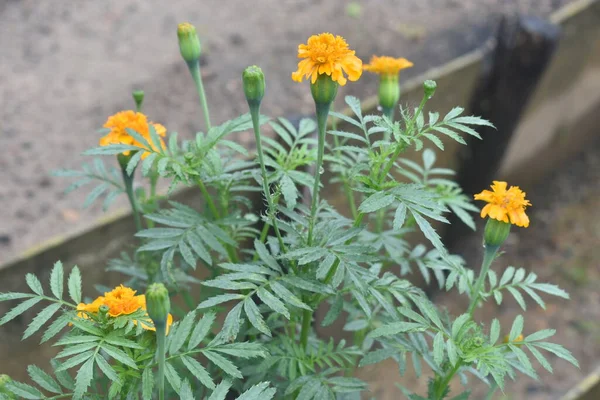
point(495, 232)
point(254, 85)
point(324, 90)
point(429, 87)
point(389, 91)
point(138, 97)
point(189, 44)
point(158, 303)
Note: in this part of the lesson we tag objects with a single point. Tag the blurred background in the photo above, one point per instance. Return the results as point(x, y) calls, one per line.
point(66, 65)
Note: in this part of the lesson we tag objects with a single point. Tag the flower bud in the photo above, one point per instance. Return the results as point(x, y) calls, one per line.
point(138, 97)
point(254, 85)
point(158, 303)
point(389, 91)
point(429, 87)
point(324, 90)
point(495, 232)
point(189, 44)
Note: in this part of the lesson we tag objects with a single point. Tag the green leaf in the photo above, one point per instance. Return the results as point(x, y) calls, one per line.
point(305, 284)
point(76, 339)
point(183, 330)
point(260, 391)
point(106, 368)
point(540, 358)
point(550, 289)
point(75, 285)
point(438, 348)
point(458, 324)
point(399, 217)
point(78, 359)
point(540, 335)
point(41, 319)
point(287, 296)
point(376, 201)
point(20, 309)
point(518, 297)
point(494, 331)
point(376, 356)
point(452, 352)
point(56, 280)
point(455, 112)
point(119, 355)
point(147, 384)
point(15, 296)
point(172, 377)
point(272, 302)
point(63, 377)
point(517, 328)
point(201, 329)
point(44, 380)
point(523, 359)
point(289, 191)
point(221, 391)
point(429, 233)
point(254, 316)
point(216, 300)
point(334, 311)
point(83, 378)
point(186, 391)
point(558, 350)
point(23, 390)
point(265, 256)
point(76, 349)
point(55, 327)
point(87, 326)
point(198, 371)
point(34, 283)
point(224, 364)
point(395, 328)
point(115, 338)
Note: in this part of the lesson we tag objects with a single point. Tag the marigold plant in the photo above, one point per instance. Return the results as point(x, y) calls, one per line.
point(219, 299)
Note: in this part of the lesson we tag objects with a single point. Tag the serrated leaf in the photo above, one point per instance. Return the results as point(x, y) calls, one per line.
point(224, 364)
point(55, 327)
point(147, 384)
point(220, 391)
point(287, 296)
point(44, 380)
point(119, 355)
point(198, 371)
point(34, 284)
point(172, 377)
point(41, 319)
point(289, 191)
point(183, 330)
point(540, 358)
point(219, 299)
point(186, 391)
point(63, 377)
point(272, 302)
point(559, 351)
point(394, 328)
point(106, 368)
point(254, 316)
point(399, 217)
point(56, 280)
point(23, 390)
point(334, 311)
point(540, 335)
point(201, 329)
point(376, 202)
point(455, 112)
point(458, 324)
point(438, 348)
point(20, 309)
point(452, 352)
point(516, 329)
point(429, 233)
point(494, 331)
point(83, 378)
point(75, 285)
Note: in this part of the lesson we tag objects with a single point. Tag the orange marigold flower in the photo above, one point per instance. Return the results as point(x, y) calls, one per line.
point(387, 65)
point(504, 205)
point(123, 301)
point(83, 309)
point(327, 54)
point(137, 121)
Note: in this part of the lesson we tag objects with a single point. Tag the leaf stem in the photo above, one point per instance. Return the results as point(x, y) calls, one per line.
point(254, 112)
point(322, 114)
point(160, 344)
point(194, 68)
point(306, 320)
point(488, 257)
point(442, 388)
point(128, 180)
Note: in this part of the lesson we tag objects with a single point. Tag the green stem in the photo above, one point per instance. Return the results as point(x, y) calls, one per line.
point(128, 180)
point(194, 68)
point(322, 114)
point(488, 257)
point(345, 185)
point(306, 320)
point(442, 388)
point(160, 343)
point(254, 111)
point(491, 391)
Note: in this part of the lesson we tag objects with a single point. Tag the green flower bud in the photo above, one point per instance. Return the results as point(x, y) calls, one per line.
point(495, 232)
point(124, 159)
point(103, 309)
point(429, 87)
point(138, 97)
point(389, 91)
point(158, 303)
point(254, 85)
point(189, 44)
point(324, 90)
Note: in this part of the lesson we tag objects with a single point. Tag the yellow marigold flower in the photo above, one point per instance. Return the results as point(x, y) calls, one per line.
point(504, 205)
point(134, 120)
point(327, 54)
point(385, 65)
point(518, 339)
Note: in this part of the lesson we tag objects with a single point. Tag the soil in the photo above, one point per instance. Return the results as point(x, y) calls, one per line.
point(66, 65)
